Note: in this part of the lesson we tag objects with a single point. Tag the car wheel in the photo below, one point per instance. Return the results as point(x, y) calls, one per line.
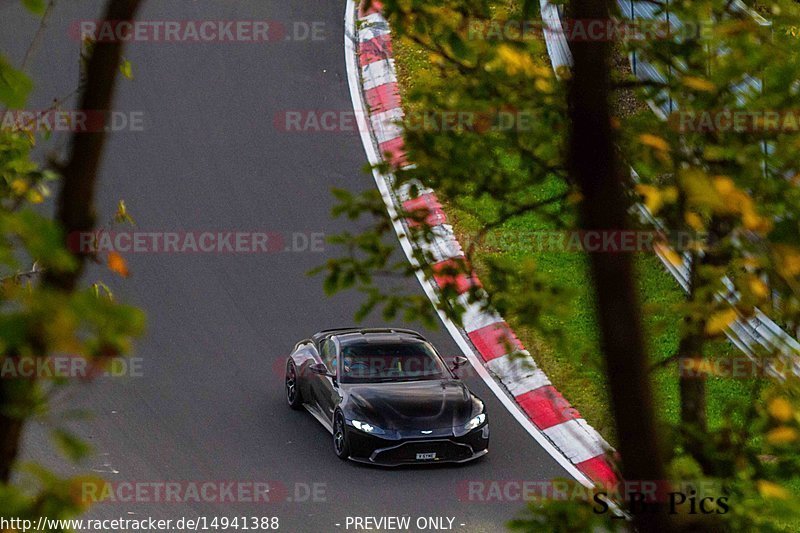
point(340, 443)
point(292, 388)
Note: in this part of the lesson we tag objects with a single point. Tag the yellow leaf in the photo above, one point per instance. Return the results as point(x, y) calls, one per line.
point(35, 197)
point(699, 190)
point(543, 85)
point(116, 263)
point(751, 262)
point(782, 435)
point(724, 184)
point(755, 222)
point(669, 254)
point(122, 214)
point(788, 260)
point(126, 69)
point(768, 489)
point(652, 197)
point(780, 409)
point(698, 84)
point(693, 220)
point(719, 321)
point(436, 58)
point(516, 61)
point(758, 287)
point(654, 141)
point(670, 194)
point(19, 186)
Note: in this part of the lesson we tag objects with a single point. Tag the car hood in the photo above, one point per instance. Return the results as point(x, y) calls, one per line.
point(412, 405)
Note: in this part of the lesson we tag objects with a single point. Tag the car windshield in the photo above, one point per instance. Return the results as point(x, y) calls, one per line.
point(364, 361)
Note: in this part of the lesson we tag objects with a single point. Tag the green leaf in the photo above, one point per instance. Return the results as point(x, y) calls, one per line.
point(73, 447)
point(36, 7)
point(330, 284)
point(15, 86)
point(126, 68)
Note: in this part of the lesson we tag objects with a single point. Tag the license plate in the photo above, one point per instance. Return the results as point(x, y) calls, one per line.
point(426, 456)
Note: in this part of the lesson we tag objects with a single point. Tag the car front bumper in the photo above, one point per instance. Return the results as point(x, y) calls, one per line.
point(414, 447)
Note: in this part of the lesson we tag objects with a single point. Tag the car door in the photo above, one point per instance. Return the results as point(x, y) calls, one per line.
point(326, 389)
point(308, 355)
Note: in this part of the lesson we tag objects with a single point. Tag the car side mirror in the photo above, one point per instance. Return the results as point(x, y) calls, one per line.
point(322, 370)
point(459, 361)
point(318, 368)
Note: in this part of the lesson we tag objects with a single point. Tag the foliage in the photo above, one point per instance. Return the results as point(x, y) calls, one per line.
point(728, 195)
point(37, 321)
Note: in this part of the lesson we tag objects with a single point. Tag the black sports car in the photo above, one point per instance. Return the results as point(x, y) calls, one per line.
point(387, 397)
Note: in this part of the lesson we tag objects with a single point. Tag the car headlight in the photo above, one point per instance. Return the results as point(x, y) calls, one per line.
point(367, 428)
point(475, 422)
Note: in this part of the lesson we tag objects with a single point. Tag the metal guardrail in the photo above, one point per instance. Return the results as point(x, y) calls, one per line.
point(752, 335)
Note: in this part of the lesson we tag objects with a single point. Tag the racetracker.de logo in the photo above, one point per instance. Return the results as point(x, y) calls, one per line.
point(76, 121)
point(677, 493)
point(197, 31)
point(201, 491)
point(590, 30)
point(203, 242)
point(739, 367)
point(348, 121)
point(736, 121)
point(70, 367)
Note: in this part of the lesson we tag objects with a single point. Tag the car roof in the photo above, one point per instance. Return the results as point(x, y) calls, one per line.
point(387, 334)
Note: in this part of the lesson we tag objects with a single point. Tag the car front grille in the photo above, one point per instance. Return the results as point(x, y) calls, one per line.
point(445, 450)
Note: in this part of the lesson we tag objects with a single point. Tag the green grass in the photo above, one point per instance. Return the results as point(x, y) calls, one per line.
point(574, 364)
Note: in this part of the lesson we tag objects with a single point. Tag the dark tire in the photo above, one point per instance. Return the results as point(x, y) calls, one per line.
point(341, 445)
point(292, 388)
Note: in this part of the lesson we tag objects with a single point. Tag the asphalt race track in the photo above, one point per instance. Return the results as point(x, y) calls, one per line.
point(210, 404)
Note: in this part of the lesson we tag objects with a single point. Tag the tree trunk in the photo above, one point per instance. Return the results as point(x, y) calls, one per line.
point(76, 200)
point(10, 428)
point(692, 384)
point(593, 165)
point(75, 208)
